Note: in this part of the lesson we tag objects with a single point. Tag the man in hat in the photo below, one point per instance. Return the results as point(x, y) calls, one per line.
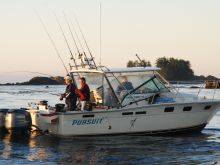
point(69, 94)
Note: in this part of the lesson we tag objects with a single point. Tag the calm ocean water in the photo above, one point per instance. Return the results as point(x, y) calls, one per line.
point(202, 148)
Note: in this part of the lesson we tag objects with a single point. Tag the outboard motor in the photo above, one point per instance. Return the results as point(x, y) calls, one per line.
point(2, 118)
point(17, 120)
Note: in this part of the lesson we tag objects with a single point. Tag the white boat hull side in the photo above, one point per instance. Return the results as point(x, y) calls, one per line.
point(134, 120)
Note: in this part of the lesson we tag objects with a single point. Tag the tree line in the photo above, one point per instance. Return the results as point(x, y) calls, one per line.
point(172, 69)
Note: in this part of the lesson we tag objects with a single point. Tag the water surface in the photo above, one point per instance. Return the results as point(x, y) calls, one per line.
point(201, 148)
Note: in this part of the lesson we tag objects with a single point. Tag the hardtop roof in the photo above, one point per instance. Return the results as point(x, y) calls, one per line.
point(117, 70)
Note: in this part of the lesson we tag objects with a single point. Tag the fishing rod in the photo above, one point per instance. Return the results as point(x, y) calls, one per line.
point(77, 36)
point(29, 72)
point(80, 55)
point(85, 42)
point(64, 36)
point(51, 40)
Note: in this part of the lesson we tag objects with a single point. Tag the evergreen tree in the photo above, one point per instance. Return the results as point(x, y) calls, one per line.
point(136, 63)
point(175, 69)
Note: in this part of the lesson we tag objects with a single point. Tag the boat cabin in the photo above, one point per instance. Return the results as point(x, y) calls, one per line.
point(114, 88)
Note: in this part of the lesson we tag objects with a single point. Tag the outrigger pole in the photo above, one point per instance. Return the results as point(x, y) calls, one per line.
point(51, 40)
point(92, 58)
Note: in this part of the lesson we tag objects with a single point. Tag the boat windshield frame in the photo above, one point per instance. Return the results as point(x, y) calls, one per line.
point(114, 74)
point(76, 73)
point(141, 85)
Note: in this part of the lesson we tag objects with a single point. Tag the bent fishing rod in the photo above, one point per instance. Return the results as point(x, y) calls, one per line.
point(24, 71)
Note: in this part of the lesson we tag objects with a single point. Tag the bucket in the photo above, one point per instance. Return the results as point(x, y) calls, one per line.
point(59, 107)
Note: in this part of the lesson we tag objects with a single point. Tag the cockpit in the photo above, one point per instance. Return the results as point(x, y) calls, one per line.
point(112, 89)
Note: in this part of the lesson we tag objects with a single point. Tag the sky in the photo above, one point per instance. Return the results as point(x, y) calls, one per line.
point(183, 29)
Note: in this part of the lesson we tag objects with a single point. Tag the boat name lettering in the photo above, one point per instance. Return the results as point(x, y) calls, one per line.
point(87, 121)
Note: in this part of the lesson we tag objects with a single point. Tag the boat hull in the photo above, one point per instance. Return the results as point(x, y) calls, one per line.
point(153, 119)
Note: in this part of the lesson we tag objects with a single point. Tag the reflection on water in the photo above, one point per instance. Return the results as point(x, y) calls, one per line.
point(191, 149)
point(37, 149)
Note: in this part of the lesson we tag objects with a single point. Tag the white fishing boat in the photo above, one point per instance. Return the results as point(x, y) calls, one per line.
point(143, 103)
point(151, 106)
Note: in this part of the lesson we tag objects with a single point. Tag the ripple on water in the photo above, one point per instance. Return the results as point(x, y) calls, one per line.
point(17, 149)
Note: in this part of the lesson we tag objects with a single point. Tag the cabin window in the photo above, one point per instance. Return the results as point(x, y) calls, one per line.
point(189, 108)
point(100, 91)
point(87, 116)
point(169, 109)
point(136, 86)
point(207, 107)
point(127, 113)
point(140, 112)
point(109, 97)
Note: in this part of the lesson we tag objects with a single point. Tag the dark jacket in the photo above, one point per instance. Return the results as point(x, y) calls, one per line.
point(71, 97)
point(70, 92)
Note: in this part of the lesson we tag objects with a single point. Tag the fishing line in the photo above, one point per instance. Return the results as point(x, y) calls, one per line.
point(85, 41)
point(64, 36)
point(51, 40)
point(80, 55)
point(33, 72)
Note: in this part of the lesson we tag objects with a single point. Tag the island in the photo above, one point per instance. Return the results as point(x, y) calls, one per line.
point(58, 80)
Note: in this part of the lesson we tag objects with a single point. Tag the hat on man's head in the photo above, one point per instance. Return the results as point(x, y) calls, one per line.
point(67, 77)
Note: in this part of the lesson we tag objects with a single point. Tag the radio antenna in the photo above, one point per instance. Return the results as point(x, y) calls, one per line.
point(100, 34)
point(141, 61)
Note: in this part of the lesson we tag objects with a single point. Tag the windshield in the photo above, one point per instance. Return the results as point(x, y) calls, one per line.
point(131, 87)
point(101, 93)
point(113, 89)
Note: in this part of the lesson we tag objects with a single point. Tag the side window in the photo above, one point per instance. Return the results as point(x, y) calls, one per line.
point(109, 98)
point(160, 85)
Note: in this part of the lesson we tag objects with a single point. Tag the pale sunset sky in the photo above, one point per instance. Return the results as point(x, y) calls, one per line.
point(183, 29)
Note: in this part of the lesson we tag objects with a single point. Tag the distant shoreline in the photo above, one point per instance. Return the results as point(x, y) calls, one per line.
point(40, 81)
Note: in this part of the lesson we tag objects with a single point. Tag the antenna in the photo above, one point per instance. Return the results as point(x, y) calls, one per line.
point(138, 58)
point(100, 33)
point(141, 61)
